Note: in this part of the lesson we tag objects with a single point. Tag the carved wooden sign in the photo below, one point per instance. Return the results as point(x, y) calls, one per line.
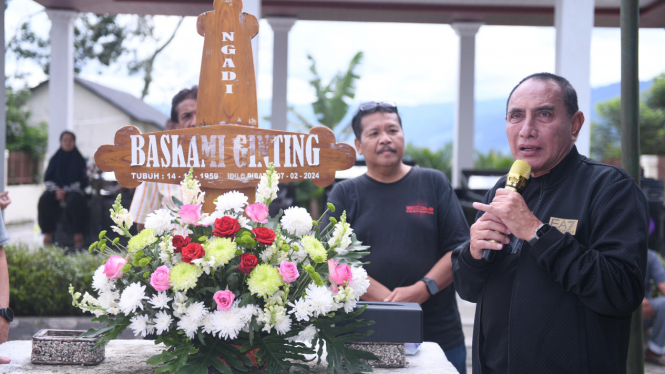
point(227, 149)
point(227, 85)
point(228, 157)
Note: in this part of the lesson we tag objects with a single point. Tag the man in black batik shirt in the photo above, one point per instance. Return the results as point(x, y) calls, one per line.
point(412, 220)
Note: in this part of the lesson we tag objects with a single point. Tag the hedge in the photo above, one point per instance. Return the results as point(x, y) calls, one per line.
point(39, 279)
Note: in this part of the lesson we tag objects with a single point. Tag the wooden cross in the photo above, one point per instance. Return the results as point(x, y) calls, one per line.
point(227, 149)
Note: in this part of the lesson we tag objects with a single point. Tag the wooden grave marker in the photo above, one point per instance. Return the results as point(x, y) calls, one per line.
point(227, 149)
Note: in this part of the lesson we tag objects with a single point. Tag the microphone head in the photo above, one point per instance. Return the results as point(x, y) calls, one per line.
point(521, 168)
point(518, 176)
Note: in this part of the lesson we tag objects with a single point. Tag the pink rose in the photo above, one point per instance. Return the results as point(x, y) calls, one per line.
point(289, 271)
point(339, 275)
point(224, 299)
point(190, 213)
point(159, 280)
point(257, 212)
point(113, 267)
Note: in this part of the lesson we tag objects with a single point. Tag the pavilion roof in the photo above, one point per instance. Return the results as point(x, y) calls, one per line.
point(491, 12)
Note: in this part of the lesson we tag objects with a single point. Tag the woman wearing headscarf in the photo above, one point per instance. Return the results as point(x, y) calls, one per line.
point(65, 179)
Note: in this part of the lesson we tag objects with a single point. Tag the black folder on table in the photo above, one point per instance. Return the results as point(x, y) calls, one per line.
point(393, 322)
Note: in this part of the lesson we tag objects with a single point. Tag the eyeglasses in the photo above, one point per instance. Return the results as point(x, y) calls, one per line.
point(371, 106)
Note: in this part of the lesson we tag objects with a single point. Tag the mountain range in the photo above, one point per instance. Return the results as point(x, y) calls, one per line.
point(431, 125)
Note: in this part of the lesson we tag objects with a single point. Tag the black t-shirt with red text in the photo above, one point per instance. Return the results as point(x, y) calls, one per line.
point(409, 225)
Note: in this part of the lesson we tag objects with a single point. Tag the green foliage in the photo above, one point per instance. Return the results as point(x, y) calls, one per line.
point(103, 38)
point(606, 134)
point(281, 355)
point(330, 106)
point(493, 160)
point(20, 135)
point(440, 159)
point(39, 279)
point(338, 330)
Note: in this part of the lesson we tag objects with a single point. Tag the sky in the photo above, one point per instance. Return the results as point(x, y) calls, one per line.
point(410, 64)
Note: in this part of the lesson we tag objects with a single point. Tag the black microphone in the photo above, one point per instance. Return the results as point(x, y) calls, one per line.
point(518, 177)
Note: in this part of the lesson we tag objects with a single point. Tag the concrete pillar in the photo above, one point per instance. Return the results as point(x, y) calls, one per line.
point(280, 62)
point(574, 23)
point(253, 7)
point(3, 109)
point(463, 149)
point(61, 76)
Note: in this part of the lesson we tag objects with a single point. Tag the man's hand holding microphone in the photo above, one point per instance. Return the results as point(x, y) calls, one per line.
point(507, 214)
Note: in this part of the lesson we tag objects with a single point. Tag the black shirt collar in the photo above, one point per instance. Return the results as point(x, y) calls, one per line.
point(563, 168)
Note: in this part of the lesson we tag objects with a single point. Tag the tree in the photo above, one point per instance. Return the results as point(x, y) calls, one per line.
point(21, 136)
point(492, 160)
point(440, 159)
point(330, 106)
point(606, 133)
point(102, 38)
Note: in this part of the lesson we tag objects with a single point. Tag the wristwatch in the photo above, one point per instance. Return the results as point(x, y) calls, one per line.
point(540, 231)
point(432, 288)
point(8, 313)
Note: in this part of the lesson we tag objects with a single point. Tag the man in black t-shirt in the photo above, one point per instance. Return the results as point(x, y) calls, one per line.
point(412, 220)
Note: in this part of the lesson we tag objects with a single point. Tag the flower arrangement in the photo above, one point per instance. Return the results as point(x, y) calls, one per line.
point(215, 286)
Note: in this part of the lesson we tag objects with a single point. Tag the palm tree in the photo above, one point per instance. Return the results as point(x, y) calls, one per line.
point(330, 106)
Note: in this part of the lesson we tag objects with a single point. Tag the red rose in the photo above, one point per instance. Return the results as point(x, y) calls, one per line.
point(247, 263)
point(226, 227)
point(191, 252)
point(180, 242)
point(264, 235)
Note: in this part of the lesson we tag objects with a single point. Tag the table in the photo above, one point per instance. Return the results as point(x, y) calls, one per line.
point(128, 356)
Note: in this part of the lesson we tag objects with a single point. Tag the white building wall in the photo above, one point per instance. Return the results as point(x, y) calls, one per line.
point(95, 119)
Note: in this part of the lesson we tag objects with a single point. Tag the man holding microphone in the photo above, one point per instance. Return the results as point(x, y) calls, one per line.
point(570, 250)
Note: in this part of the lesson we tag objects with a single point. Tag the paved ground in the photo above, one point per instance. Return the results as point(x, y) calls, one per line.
point(27, 232)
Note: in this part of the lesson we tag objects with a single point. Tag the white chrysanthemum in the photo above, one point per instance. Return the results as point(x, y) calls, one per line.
point(244, 222)
point(132, 298)
point(160, 221)
point(141, 325)
point(162, 322)
point(231, 201)
point(305, 336)
point(225, 323)
point(283, 324)
point(320, 300)
point(360, 282)
point(160, 301)
point(301, 309)
point(341, 237)
point(107, 299)
point(266, 255)
point(100, 282)
point(296, 221)
point(196, 311)
point(189, 326)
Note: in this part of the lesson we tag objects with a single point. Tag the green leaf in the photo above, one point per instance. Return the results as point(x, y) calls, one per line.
point(177, 202)
point(247, 298)
point(336, 332)
point(93, 333)
point(282, 355)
